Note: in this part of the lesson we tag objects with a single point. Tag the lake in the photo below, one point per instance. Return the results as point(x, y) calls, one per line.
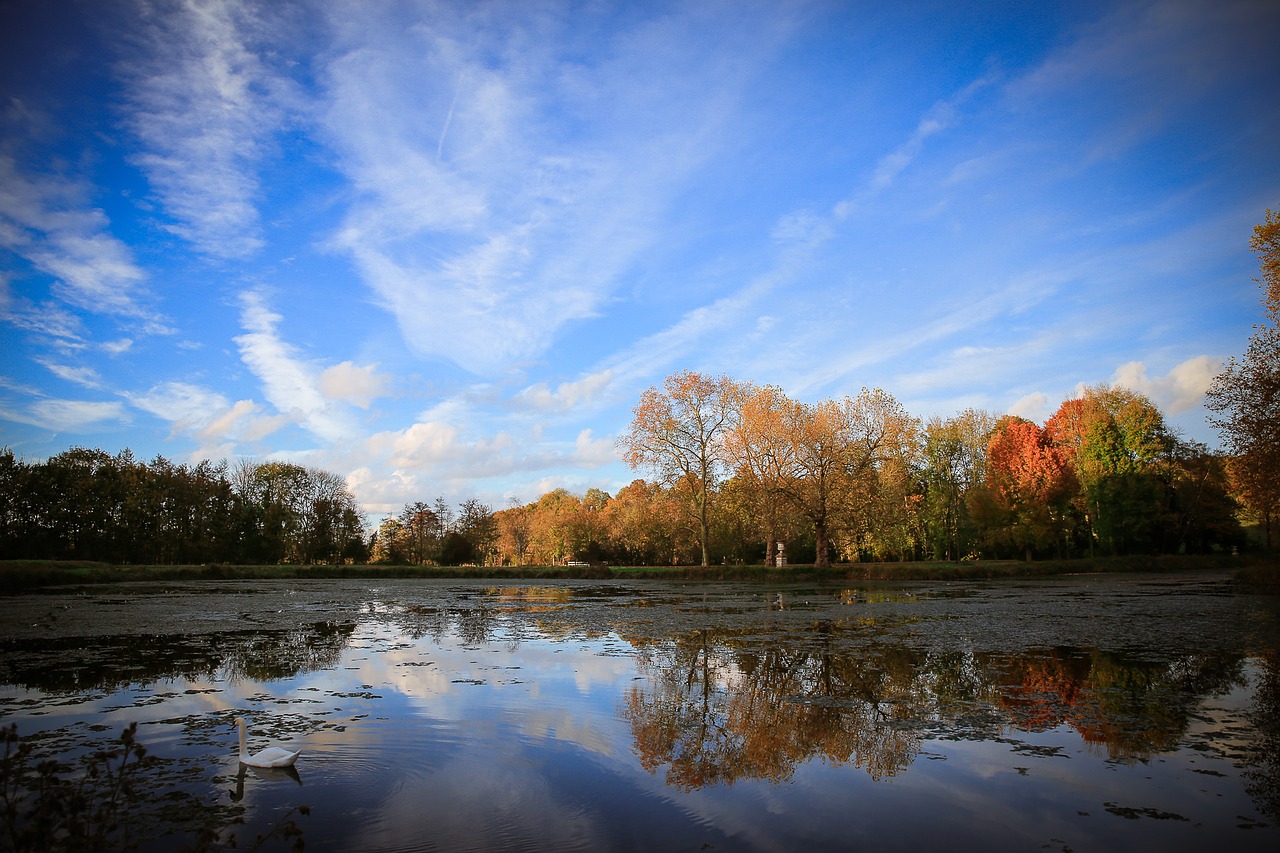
point(1091, 712)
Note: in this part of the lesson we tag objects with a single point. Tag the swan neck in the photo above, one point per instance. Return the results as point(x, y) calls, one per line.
point(240, 727)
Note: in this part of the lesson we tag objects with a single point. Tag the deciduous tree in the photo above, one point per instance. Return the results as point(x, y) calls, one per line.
point(1245, 397)
point(1029, 478)
point(678, 433)
point(762, 456)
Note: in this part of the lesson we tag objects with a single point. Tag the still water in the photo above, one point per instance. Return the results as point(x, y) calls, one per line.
point(1077, 713)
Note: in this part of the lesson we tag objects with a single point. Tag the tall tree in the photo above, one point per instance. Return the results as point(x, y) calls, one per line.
point(955, 462)
point(761, 454)
point(477, 525)
point(421, 532)
point(1246, 395)
point(837, 450)
point(1030, 479)
point(515, 531)
point(679, 433)
point(1114, 439)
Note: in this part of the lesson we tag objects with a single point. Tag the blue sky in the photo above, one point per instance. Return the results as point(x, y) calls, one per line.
point(441, 248)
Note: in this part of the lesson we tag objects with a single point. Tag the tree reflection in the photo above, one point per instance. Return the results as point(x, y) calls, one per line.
point(1131, 708)
point(714, 715)
point(77, 665)
point(714, 708)
point(1262, 778)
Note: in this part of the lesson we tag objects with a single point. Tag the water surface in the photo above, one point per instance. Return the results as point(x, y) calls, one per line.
point(1080, 713)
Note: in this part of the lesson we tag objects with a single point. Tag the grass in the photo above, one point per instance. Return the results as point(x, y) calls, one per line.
point(1259, 572)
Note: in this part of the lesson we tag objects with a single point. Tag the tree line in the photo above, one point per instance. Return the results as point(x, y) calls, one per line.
point(734, 470)
point(85, 504)
point(745, 467)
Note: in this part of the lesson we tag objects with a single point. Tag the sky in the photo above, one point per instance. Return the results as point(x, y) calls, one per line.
point(441, 248)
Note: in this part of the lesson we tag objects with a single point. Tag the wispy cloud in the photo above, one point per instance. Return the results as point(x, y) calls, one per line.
point(186, 407)
point(47, 220)
point(73, 416)
point(940, 117)
point(290, 384)
point(445, 130)
point(204, 105)
point(79, 374)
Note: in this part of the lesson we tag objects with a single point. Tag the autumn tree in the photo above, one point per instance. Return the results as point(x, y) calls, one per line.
point(515, 531)
point(762, 456)
point(1245, 397)
point(679, 433)
point(390, 542)
point(1030, 479)
point(554, 527)
point(644, 523)
point(838, 448)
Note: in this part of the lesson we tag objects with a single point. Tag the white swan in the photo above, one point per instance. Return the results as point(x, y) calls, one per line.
point(272, 756)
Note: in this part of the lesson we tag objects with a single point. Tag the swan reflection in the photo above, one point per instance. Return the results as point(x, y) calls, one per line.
point(266, 774)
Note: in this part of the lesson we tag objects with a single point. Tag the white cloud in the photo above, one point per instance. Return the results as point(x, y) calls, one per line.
point(359, 385)
point(187, 407)
point(204, 105)
point(244, 421)
point(80, 375)
point(290, 384)
point(1033, 407)
point(446, 133)
point(384, 493)
point(1181, 389)
point(567, 394)
point(423, 446)
point(594, 452)
point(48, 221)
point(67, 415)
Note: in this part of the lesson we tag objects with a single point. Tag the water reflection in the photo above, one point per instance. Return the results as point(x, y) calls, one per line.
point(712, 712)
point(1262, 774)
point(264, 774)
point(1130, 708)
point(75, 665)
point(606, 716)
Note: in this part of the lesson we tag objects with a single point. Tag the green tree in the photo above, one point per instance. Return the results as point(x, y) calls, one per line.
point(1115, 440)
point(955, 462)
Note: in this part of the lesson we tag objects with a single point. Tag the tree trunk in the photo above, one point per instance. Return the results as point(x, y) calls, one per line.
point(823, 556)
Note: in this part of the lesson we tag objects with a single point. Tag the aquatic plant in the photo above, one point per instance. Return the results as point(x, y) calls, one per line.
point(51, 805)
